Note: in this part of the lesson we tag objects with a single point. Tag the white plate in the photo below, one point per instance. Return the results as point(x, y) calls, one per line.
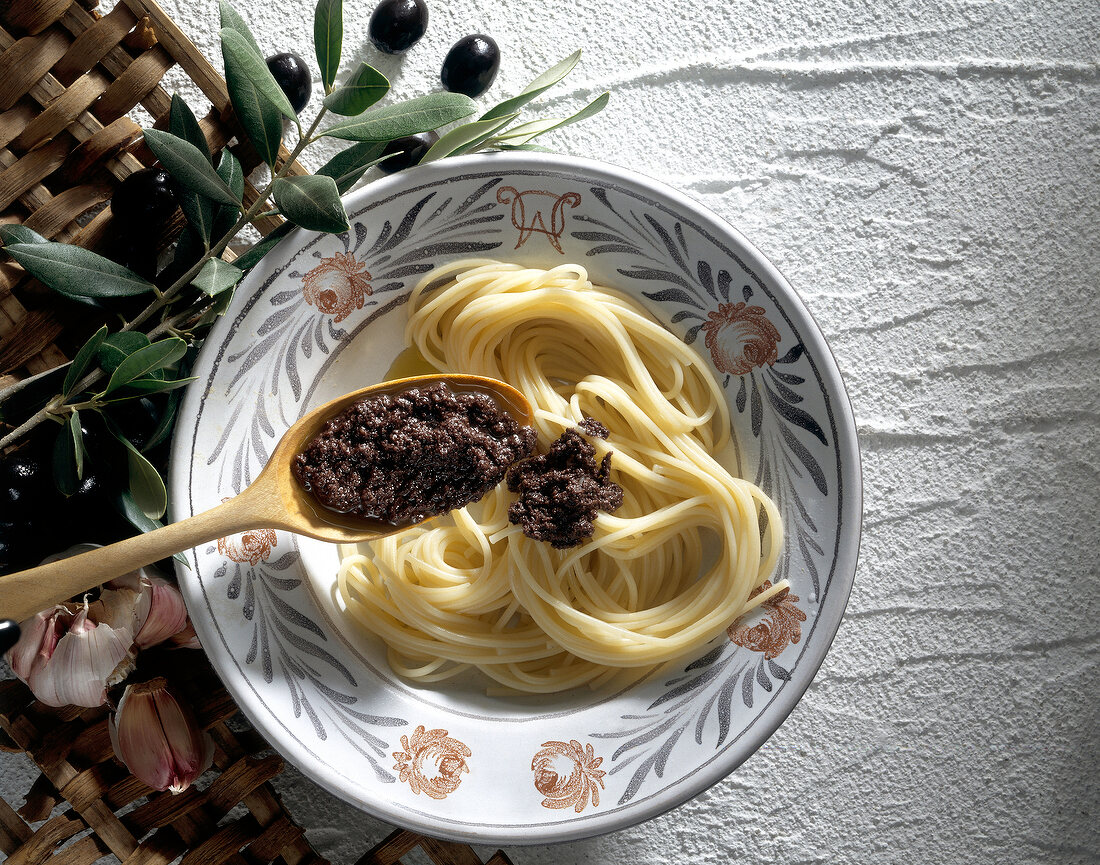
point(324, 314)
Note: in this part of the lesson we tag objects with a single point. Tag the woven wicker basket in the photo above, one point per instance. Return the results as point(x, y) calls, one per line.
point(69, 80)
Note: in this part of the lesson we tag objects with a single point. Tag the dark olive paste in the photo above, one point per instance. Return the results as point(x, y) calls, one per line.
point(405, 457)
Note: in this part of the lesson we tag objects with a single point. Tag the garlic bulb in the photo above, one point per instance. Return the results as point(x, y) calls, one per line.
point(158, 739)
point(68, 659)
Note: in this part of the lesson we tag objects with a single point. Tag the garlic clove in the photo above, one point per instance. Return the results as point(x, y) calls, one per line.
point(187, 638)
point(158, 739)
point(38, 640)
point(86, 659)
point(167, 614)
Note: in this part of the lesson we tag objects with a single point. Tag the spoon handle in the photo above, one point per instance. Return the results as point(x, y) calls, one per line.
point(27, 592)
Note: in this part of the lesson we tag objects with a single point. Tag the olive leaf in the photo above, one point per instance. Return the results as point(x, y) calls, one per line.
point(145, 386)
point(250, 85)
point(188, 166)
point(84, 359)
point(13, 233)
point(351, 163)
point(328, 36)
point(183, 124)
point(252, 257)
point(232, 20)
point(79, 451)
point(116, 347)
point(64, 462)
point(359, 92)
point(420, 114)
point(229, 170)
point(537, 148)
point(466, 137)
point(526, 131)
point(216, 276)
point(135, 516)
point(537, 87)
point(146, 484)
point(153, 357)
point(75, 271)
point(312, 202)
point(198, 209)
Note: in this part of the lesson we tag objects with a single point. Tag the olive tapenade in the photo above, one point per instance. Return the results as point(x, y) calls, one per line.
point(406, 457)
point(560, 491)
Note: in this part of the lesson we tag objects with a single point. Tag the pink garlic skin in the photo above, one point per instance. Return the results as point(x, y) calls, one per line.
point(157, 739)
point(69, 660)
point(186, 639)
point(167, 615)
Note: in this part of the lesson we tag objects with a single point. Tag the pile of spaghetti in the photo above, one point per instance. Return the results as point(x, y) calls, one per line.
point(665, 573)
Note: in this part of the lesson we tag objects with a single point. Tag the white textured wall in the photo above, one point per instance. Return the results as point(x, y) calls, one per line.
point(925, 172)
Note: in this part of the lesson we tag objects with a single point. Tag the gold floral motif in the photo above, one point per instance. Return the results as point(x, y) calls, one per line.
point(337, 285)
point(527, 212)
point(568, 774)
point(740, 338)
point(780, 626)
point(432, 762)
point(252, 547)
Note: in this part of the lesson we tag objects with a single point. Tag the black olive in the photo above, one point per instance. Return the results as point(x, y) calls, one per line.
point(24, 482)
point(9, 634)
point(145, 201)
point(396, 25)
point(471, 65)
point(406, 151)
point(292, 75)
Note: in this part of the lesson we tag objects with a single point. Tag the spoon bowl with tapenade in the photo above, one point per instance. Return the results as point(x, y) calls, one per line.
point(362, 466)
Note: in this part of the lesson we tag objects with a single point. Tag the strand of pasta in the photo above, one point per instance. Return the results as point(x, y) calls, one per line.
point(471, 590)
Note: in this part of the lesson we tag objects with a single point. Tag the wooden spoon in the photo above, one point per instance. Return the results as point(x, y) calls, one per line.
point(275, 500)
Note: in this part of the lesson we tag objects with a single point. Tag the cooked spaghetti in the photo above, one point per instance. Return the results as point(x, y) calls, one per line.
point(665, 573)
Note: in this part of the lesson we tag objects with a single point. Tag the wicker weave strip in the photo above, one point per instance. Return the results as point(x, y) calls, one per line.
point(91, 46)
point(26, 61)
point(133, 85)
point(33, 16)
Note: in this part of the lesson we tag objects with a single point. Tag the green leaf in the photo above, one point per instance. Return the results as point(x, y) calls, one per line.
point(537, 148)
point(119, 346)
point(533, 90)
point(84, 359)
point(256, 68)
point(146, 484)
point(526, 131)
point(251, 258)
point(78, 443)
point(198, 209)
point(216, 276)
point(135, 516)
point(155, 356)
point(359, 92)
point(351, 163)
point(420, 114)
point(328, 37)
point(14, 233)
point(466, 137)
point(231, 19)
point(77, 272)
point(187, 165)
point(258, 114)
point(182, 123)
point(229, 170)
point(64, 462)
point(312, 202)
point(145, 386)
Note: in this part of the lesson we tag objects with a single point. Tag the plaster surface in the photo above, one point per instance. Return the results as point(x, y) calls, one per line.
point(925, 173)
